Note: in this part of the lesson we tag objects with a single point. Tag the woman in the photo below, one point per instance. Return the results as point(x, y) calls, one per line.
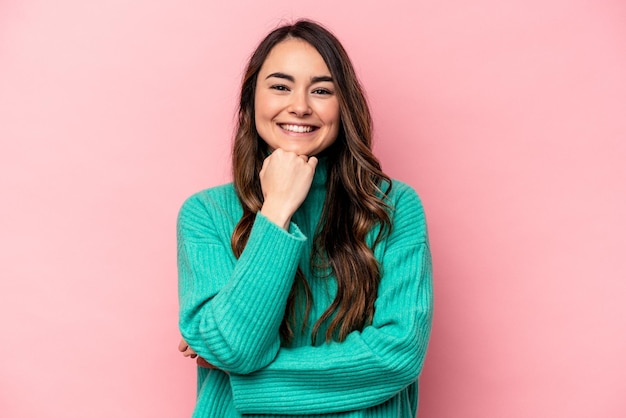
point(305, 285)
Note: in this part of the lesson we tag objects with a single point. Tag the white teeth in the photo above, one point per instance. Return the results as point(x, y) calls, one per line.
point(297, 128)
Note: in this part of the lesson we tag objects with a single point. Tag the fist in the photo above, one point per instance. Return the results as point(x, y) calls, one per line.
point(285, 180)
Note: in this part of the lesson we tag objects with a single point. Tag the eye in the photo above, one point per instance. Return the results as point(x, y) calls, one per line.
point(322, 91)
point(279, 87)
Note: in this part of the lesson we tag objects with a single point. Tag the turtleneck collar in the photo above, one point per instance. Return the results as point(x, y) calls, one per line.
point(321, 172)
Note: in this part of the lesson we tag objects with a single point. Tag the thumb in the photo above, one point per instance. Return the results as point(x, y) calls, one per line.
point(312, 162)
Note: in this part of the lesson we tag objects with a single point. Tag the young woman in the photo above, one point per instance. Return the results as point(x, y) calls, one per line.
point(305, 285)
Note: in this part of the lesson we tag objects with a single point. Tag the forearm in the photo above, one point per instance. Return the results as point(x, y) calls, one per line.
point(365, 370)
point(231, 310)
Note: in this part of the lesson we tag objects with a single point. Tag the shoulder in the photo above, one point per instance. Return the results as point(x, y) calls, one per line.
point(220, 198)
point(209, 198)
point(407, 211)
point(404, 197)
point(210, 208)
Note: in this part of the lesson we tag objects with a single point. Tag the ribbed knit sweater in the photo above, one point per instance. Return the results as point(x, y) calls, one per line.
point(231, 310)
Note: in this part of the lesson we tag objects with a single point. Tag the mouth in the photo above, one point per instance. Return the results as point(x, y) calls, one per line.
point(299, 129)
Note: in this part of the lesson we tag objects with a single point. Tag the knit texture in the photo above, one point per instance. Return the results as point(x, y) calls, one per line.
point(231, 310)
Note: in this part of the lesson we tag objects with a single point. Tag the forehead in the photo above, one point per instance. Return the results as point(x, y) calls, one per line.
point(295, 57)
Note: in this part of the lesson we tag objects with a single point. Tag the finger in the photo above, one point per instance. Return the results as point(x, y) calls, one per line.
point(182, 345)
point(189, 352)
point(203, 363)
point(304, 158)
point(313, 162)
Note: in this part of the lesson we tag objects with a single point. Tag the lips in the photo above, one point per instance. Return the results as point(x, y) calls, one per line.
point(298, 128)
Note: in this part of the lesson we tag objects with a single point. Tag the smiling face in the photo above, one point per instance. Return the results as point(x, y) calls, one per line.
point(295, 103)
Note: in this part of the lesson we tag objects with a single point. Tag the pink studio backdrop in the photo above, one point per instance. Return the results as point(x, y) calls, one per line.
point(509, 118)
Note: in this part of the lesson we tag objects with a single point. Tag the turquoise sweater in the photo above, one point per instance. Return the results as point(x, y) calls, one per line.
point(231, 310)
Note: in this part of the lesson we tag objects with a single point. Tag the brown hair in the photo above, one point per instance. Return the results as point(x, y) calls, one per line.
point(354, 205)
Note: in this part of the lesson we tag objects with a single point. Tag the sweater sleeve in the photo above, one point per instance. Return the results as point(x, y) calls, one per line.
point(370, 366)
point(231, 309)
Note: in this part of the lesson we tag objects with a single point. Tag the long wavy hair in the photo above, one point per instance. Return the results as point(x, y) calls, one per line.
point(355, 199)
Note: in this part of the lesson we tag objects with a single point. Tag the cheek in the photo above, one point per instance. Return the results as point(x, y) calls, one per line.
point(265, 106)
point(332, 119)
point(332, 112)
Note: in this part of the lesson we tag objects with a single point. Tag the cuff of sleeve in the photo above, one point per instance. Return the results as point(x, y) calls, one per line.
point(273, 253)
point(262, 222)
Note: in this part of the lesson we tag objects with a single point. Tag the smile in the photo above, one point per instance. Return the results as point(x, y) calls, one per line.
point(298, 128)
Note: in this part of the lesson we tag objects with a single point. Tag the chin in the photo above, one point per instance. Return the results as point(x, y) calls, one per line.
point(297, 149)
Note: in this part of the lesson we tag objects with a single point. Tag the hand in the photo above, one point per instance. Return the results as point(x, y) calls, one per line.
point(285, 180)
point(187, 351)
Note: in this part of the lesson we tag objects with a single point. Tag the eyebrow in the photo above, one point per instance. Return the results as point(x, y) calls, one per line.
point(317, 79)
point(321, 78)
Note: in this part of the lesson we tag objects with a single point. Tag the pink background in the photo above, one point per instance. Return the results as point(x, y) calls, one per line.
point(508, 117)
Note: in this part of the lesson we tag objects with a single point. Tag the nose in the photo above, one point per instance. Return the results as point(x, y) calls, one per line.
point(299, 105)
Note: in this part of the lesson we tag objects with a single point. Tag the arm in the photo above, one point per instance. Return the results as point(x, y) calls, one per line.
point(187, 351)
point(370, 366)
point(230, 310)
